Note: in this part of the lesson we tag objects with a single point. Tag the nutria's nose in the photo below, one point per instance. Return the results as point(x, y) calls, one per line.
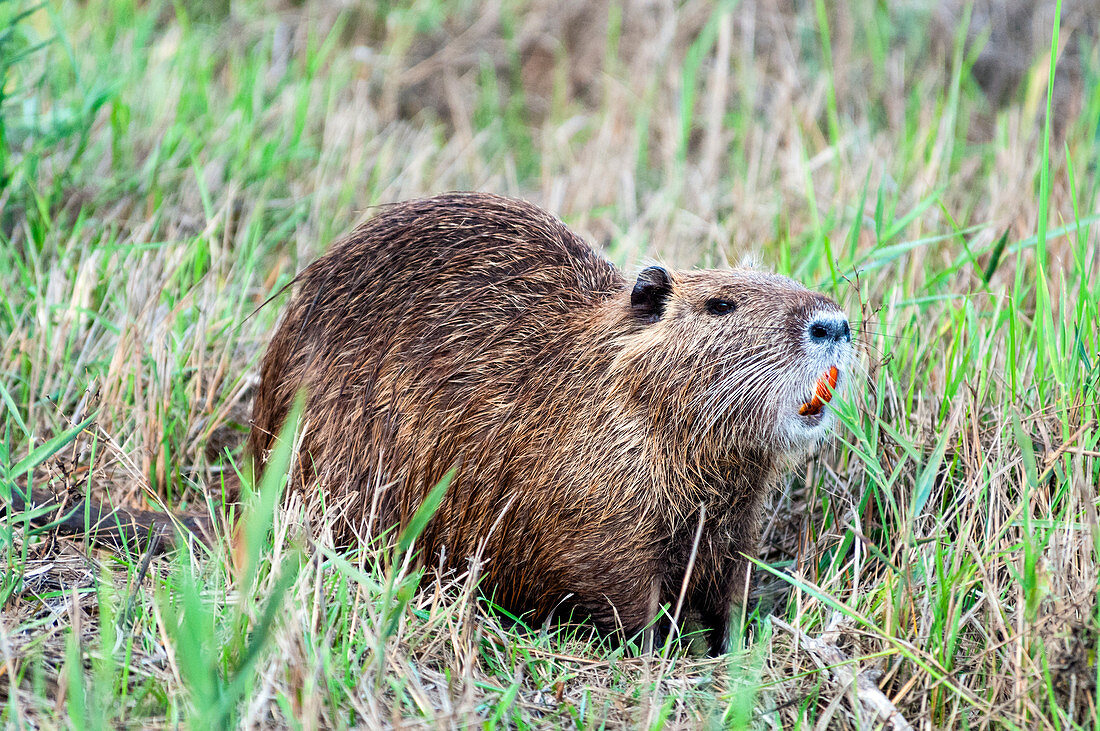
point(830, 330)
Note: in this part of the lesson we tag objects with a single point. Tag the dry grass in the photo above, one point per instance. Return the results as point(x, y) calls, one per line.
point(163, 175)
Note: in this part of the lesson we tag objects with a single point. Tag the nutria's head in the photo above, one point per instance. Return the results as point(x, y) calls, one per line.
point(741, 361)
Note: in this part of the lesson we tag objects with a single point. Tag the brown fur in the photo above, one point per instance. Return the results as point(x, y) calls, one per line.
point(592, 422)
point(477, 332)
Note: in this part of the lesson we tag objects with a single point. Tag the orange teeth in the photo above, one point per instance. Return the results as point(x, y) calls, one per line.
point(823, 393)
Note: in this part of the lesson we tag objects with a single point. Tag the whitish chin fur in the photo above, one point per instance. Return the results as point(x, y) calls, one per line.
point(804, 433)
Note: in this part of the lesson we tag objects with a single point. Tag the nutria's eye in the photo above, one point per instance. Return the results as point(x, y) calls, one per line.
point(720, 307)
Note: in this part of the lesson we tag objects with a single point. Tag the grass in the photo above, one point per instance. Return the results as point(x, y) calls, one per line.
point(168, 167)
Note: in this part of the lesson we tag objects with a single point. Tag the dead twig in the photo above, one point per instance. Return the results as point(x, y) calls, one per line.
point(874, 706)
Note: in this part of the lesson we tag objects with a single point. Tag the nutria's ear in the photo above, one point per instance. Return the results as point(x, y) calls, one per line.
point(647, 299)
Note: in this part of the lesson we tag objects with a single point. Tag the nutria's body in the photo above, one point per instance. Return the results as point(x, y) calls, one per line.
point(597, 426)
point(592, 421)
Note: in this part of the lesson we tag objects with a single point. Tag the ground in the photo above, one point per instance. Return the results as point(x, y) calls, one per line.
point(166, 168)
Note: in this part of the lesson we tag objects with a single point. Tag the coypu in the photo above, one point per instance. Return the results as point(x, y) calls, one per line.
point(604, 434)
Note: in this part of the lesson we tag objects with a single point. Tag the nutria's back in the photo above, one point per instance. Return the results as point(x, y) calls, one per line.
point(591, 421)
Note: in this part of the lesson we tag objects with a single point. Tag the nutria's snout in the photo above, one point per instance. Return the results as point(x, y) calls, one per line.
point(830, 330)
point(827, 344)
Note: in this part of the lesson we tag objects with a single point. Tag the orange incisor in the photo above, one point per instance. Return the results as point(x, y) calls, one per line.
point(822, 393)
